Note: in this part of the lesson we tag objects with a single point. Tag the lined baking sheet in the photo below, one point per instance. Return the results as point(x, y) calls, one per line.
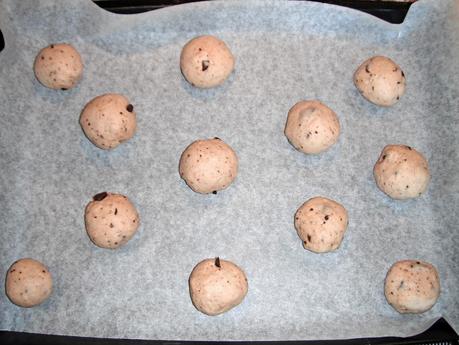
point(285, 52)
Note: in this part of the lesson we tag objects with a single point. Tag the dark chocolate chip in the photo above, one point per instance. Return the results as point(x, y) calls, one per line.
point(100, 196)
point(214, 192)
point(217, 262)
point(42, 57)
point(111, 225)
point(205, 65)
point(309, 237)
point(311, 209)
point(130, 108)
point(409, 148)
point(52, 45)
point(64, 89)
point(217, 138)
point(383, 157)
point(116, 211)
point(326, 217)
point(367, 69)
point(403, 74)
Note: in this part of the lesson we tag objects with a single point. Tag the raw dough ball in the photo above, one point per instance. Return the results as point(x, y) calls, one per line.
point(28, 283)
point(111, 220)
point(208, 165)
point(412, 286)
point(206, 61)
point(58, 66)
point(108, 120)
point(380, 80)
point(401, 172)
point(311, 127)
point(217, 286)
point(321, 224)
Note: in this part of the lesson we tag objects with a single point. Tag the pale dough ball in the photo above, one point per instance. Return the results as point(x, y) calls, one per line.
point(380, 80)
point(206, 61)
point(412, 286)
point(311, 127)
point(108, 120)
point(401, 172)
point(208, 166)
point(111, 220)
point(58, 66)
point(321, 224)
point(28, 283)
point(217, 286)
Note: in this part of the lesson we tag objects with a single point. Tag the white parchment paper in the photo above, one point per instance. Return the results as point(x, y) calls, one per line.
point(285, 51)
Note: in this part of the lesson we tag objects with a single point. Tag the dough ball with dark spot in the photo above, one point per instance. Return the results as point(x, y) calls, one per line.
point(312, 127)
point(380, 80)
point(401, 172)
point(111, 220)
point(208, 165)
point(216, 286)
point(28, 283)
point(108, 120)
point(412, 286)
point(206, 61)
point(58, 66)
point(321, 224)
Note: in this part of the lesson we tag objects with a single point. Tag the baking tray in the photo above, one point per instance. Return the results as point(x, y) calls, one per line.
point(439, 333)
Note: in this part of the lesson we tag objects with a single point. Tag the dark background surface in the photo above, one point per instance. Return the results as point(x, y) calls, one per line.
point(439, 334)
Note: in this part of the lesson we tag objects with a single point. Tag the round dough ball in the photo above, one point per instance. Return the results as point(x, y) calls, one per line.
point(58, 66)
point(401, 172)
point(217, 286)
point(412, 286)
point(28, 283)
point(108, 120)
point(111, 220)
point(380, 80)
point(206, 61)
point(208, 166)
point(311, 127)
point(321, 224)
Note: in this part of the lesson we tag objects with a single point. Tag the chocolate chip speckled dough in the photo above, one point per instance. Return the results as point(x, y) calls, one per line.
point(216, 286)
point(28, 283)
point(380, 80)
point(111, 220)
point(208, 166)
point(311, 127)
point(412, 286)
point(58, 66)
point(321, 224)
point(206, 61)
point(108, 120)
point(401, 172)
